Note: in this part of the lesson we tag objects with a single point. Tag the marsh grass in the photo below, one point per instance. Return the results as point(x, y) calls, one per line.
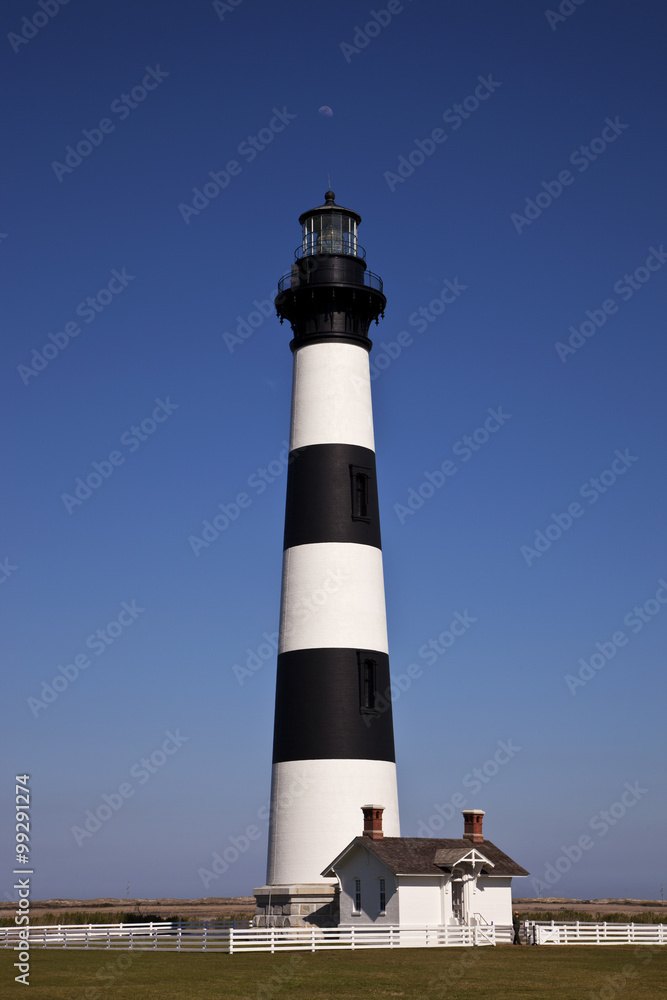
point(611, 918)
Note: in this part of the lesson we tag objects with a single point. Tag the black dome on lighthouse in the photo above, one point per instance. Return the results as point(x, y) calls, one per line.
point(330, 206)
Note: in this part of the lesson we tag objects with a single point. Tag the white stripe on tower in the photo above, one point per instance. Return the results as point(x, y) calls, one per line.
point(331, 396)
point(332, 595)
point(333, 737)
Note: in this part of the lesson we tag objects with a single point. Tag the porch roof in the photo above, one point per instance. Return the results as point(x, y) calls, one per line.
point(447, 857)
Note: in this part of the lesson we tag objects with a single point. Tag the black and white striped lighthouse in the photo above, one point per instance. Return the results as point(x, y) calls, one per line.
point(333, 748)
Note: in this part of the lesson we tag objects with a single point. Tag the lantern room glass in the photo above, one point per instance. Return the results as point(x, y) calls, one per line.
point(330, 232)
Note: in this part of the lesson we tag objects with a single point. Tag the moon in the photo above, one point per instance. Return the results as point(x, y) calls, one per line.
point(326, 111)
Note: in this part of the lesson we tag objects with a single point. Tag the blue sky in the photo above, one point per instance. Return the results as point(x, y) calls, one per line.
point(541, 201)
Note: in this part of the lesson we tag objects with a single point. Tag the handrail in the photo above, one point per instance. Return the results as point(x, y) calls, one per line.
point(371, 280)
point(314, 251)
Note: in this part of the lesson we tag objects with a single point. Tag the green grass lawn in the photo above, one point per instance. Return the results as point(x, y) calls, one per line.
point(503, 973)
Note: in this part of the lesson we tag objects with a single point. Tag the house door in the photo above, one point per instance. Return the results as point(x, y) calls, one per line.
point(457, 902)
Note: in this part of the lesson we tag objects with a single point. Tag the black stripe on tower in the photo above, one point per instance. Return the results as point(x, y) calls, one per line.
point(332, 496)
point(333, 704)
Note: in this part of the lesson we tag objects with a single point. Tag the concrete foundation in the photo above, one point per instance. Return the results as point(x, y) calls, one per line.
point(297, 905)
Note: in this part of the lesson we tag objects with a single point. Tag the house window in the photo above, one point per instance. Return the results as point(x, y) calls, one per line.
point(367, 684)
point(383, 895)
point(357, 895)
point(360, 481)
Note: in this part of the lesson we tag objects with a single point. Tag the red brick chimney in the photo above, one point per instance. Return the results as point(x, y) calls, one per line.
point(373, 822)
point(472, 825)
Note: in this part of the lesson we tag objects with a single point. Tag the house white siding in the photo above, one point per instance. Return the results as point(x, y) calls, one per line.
point(493, 899)
point(363, 865)
point(420, 900)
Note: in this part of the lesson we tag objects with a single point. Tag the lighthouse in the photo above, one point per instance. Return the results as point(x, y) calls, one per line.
point(333, 749)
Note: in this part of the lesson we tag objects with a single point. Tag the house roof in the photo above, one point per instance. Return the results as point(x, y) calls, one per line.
point(430, 855)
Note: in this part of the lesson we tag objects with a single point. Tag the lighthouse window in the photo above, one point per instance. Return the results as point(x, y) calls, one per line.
point(310, 237)
point(332, 234)
point(360, 493)
point(367, 683)
point(329, 233)
point(357, 895)
point(383, 895)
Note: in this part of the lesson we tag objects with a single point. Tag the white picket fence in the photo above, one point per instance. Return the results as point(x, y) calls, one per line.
point(358, 937)
point(583, 932)
point(167, 937)
point(184, 937)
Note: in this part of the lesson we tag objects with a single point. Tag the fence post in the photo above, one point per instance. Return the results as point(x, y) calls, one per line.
point(312, 938)
point(352, 937)
point(272, 937)
point(231, 941)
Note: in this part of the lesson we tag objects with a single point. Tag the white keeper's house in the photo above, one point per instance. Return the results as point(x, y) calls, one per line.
point(408, 881)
